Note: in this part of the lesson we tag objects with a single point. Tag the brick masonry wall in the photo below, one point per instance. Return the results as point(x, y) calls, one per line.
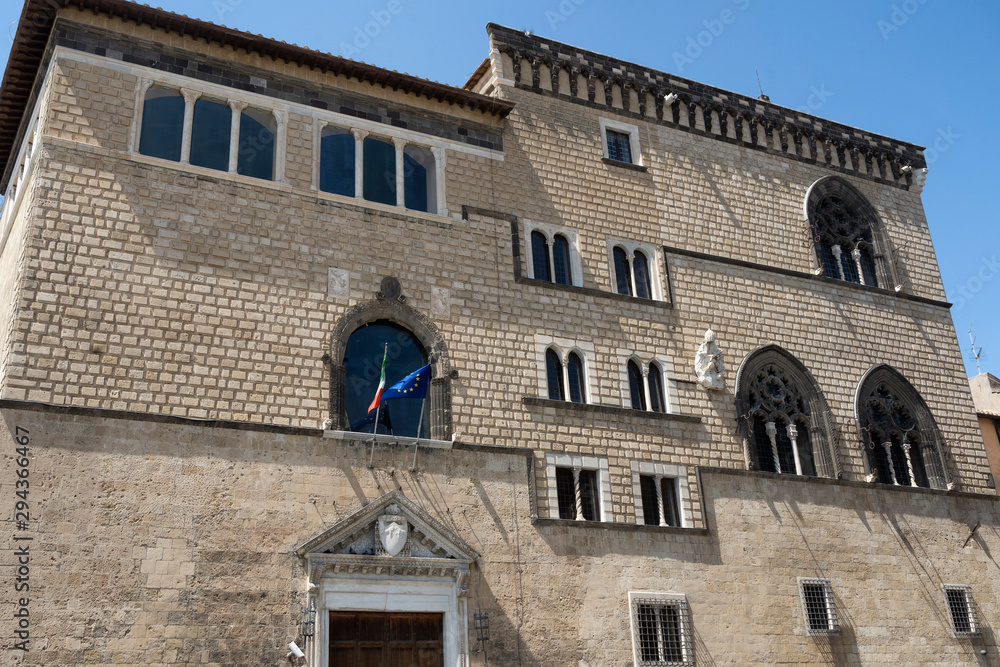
point(169, 542)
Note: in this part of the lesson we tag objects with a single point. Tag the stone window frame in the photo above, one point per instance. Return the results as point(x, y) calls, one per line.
point(886, 270)
point(636, 599)
point(192, 90)
point(578, 462)
point(361, 129)
point(652, 257)
point(439, 396)
point(625, 128)
point(658, 471)
point(665, 366)
point(24, 158)
point(563, 347)
point(829, 607)
point(970, 616)
point(550, 231)
point(820, 418)
point(931, 441)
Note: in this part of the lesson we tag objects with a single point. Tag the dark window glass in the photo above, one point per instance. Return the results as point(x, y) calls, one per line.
point(566, 493)
point(380, 171)
point(418, 178)
point(898, 461)
point(868, 267)
point(574, 367)
point(560, 260)
point(336, 163)
point(210, 135)
point(650, 502)
point(656, 399)
point(806, 458)
point(829, 263)
point(540, 268)
point(619, 147)
point(256, 147)
point(762, 456)
point(363, 360)
point(660, 638)
point(588, 494)
point(917, 457)
point(162, 124)
point(643, 287)
point(554, 376)
point(635, 389)
point(879, 459)
point(670, 510)
point(622, 282)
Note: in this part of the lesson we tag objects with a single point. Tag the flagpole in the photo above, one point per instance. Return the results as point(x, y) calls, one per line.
point(371, 458)
point(416, 444)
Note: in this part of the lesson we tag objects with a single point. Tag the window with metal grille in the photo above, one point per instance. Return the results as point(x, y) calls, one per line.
point(817, 606)
point(961, 611)
point(661, 632)
point(619, 146)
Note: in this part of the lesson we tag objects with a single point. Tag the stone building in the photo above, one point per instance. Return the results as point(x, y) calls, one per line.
point(215, 244)
point(986, 397)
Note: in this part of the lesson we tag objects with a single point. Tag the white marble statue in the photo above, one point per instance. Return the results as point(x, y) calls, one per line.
point(708, 364)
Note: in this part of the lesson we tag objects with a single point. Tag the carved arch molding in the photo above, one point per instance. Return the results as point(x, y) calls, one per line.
point(439, 396)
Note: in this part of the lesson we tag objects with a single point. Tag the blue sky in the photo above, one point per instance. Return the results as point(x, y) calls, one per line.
point(923, 71)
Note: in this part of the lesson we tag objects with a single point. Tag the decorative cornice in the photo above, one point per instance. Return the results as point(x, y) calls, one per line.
point(741, 119)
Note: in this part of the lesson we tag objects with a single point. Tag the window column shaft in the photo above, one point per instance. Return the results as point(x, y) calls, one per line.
point(190, 97)
point(645, 389)
point(578, 492)
point(772, 434)
point(909, 463)
point(856, 254)
point(400, 144)
point(234, 133)
point(837, 252)
point(439, 167)
point(281, 131)
point(359, 162)
point(888, 456)
point(793, 433)
point(659, 499)
point(549, 245)
point(631, 278)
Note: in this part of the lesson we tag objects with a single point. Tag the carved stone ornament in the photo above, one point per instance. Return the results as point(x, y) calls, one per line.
point(393, 531)
point(708, 363)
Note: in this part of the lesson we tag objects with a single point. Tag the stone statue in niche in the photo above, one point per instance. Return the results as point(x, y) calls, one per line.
point(708, 363)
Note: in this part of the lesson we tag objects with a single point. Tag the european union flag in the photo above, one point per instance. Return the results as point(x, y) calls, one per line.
point(413, 385)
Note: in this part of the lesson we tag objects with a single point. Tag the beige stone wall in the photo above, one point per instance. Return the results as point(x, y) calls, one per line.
point(169, 542)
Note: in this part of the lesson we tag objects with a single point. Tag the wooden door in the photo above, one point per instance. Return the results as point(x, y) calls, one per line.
point(385, 639)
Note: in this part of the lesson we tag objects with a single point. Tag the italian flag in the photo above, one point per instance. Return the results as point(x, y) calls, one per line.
point(381, 382)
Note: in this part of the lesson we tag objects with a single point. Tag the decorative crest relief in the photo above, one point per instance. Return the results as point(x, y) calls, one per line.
point(392, 531)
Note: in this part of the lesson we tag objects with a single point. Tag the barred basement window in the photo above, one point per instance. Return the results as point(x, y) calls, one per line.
point(818, 608)
point(962, 611)
point(661, 632)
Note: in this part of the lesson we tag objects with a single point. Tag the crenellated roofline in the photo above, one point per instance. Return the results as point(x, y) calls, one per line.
point(699, 108)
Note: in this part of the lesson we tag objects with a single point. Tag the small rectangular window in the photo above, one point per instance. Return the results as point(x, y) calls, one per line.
point(567, 489)
point(817, 606)
point(661, 632)
point(256, 148)
point(619, 146)
point(652, 507)
point(962, 611)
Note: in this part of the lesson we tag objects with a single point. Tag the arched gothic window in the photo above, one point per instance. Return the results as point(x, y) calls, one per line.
point(784, 416)
point(849, 237)
point(645, 388)
point(554, 376)
point(901, 440)
point(358, 345)
point(637, 396)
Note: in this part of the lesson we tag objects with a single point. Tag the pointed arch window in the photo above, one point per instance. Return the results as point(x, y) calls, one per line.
point(784, 416)
point(553, 255)
point(554, 376)
point(645, 386)
point(850, 239)
point(635, 391)
point(900, 437)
